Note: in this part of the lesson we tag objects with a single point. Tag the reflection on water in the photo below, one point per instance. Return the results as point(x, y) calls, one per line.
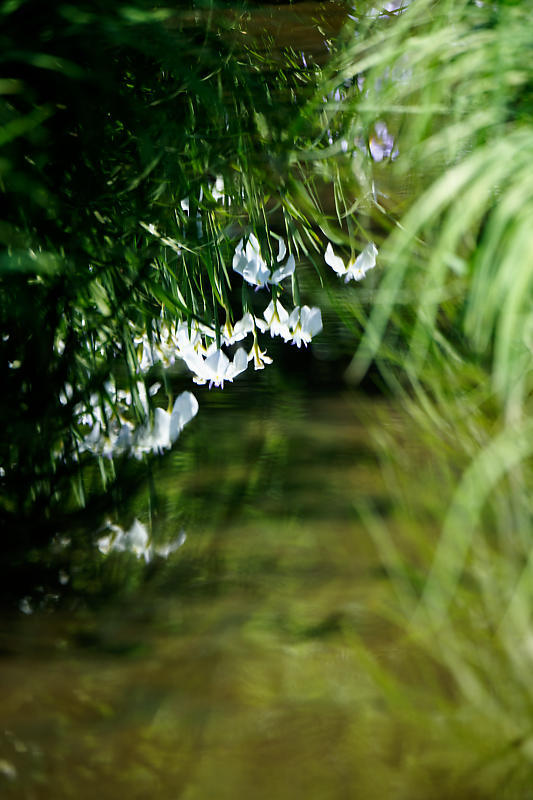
point(234, 670)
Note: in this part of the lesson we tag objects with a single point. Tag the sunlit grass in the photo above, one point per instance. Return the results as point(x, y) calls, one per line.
point(459, 584)
point(448, 326)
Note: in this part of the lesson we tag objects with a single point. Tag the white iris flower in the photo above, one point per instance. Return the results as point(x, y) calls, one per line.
point(276, 320)
point(304, 323)
point(355, 269)
point(217, 367)
point(239, 331)
point(249, 263)
point(166, 426)
point(258, 356)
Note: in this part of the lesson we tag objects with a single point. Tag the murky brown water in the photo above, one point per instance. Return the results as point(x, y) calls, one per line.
point(235, 670)
point(304, 27)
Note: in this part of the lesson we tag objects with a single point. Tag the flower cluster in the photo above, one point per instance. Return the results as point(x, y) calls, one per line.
point(196, 345)
point(112, 434)
point(203, 349)
point(298, 327)
point(200, 346)
point(249, 263)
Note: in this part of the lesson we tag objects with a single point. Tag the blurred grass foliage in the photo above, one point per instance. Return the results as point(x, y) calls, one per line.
point(452, 81)
point(449, 327)
point(457, 556)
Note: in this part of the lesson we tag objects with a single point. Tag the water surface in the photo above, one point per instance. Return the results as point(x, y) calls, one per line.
point(234, 669)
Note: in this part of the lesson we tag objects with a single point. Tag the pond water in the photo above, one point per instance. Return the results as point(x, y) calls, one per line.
point(236, 667)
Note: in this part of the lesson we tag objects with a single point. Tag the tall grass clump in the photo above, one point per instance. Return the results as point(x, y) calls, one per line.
point(452, 83)
point(449, 327)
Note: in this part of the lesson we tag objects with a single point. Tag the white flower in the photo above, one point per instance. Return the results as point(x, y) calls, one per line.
point(299, 327)
point(258, 356)
point(136, 540)
point(217, 191)
point(249, 263)
point(151, 437)
point(176, 342)
point(184, 409)
point(276, 320)
point(166, 426)
point(357, 268)
point(217, 367)
point(240, 330)
point(304, 323)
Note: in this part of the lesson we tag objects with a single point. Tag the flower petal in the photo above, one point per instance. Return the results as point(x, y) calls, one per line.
point(216, 366)
point(285, 271)
point(185, 408)
point(311, 320)
point(238, 365)
point(335, 262)
point(365, 261)
point(160, 430)
point(250, 264)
